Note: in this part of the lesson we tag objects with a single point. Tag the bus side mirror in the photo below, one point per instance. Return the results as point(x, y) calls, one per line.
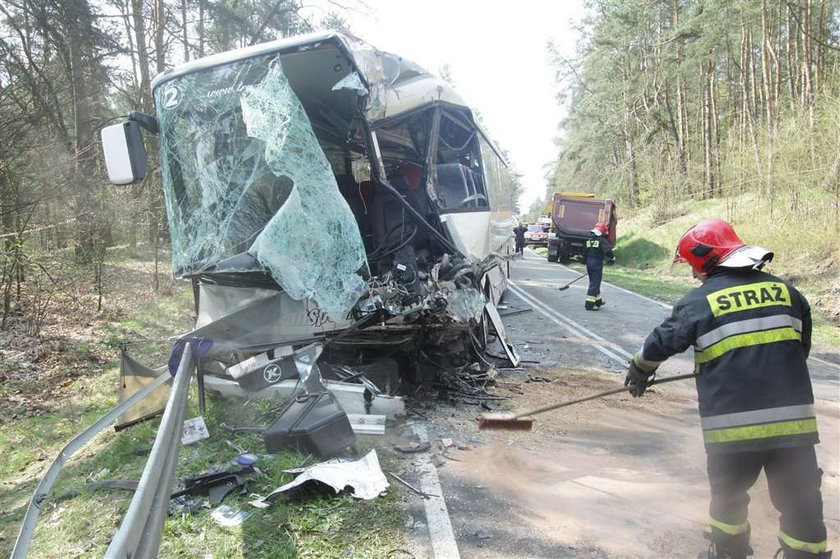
point(125, 154)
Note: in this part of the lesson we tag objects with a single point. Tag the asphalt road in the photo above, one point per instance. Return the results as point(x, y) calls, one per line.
point(622, 478)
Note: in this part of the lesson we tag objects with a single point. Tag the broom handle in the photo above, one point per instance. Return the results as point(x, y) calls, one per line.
point(600, 395)
point(576, 279)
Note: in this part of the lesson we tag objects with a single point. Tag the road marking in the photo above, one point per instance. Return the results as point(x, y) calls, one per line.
point(444, 545)
point(569, 325)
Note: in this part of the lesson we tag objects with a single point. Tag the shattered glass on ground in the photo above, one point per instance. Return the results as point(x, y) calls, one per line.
point(244, 172)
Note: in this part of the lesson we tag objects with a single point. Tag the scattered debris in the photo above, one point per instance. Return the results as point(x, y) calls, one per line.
point(311, 423)
point(350, 396)
point(194, 430)
point(416, 491)
point(216, 486)
point(229, 517)
point(413, 447)
point(367, 424)
point(364, 476)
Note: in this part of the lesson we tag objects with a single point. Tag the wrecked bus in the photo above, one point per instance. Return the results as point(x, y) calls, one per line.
point(319, 191)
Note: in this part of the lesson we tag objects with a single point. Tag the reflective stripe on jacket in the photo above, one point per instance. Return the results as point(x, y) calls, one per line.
point(751, 334)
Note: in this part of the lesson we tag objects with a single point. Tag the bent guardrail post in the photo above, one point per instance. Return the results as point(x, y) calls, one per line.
point(141, 527)
point(30, 519)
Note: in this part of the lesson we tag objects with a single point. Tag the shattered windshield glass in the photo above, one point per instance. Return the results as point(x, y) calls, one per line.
point(243, 172)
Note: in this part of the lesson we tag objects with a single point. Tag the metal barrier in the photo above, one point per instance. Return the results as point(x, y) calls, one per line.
point(140, 532)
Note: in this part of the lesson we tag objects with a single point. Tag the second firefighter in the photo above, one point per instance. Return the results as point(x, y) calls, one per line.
point(597, 249)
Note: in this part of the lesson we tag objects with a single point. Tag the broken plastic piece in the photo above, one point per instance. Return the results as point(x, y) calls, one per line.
point(312, 424)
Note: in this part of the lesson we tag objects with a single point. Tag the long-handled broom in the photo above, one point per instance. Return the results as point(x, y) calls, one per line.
point(563, 287)
point(523, 422)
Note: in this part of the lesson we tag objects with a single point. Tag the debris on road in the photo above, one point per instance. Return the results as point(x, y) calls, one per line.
point(414, 489)
point(413, 447)
point(367, 424)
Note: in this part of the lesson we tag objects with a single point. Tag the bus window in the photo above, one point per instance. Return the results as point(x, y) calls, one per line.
point(459, 180)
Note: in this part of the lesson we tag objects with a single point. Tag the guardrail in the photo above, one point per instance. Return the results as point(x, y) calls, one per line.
point(140, 532)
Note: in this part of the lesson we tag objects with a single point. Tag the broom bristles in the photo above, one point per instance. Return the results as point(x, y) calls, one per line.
point(505, 421)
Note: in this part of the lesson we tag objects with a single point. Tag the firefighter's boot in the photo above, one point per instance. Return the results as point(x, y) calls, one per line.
point(726, 546)
point(600, 303)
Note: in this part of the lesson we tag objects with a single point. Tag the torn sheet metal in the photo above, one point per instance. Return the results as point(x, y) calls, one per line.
point(465, 304)
point(257, 318)
point(364, 476)
point(504, 339)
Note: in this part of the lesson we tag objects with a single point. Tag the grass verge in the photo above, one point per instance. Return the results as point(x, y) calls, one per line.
point(31, 436)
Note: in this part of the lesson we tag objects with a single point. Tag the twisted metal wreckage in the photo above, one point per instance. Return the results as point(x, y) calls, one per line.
point(336, 208)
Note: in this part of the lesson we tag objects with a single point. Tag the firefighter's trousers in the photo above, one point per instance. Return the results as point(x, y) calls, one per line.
point(595, 270)
point(794, 481)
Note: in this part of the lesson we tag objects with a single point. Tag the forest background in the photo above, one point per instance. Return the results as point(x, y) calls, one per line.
point(682, 109)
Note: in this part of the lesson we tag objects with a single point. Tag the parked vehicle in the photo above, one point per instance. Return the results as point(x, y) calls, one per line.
point(537, 235)
point(573, 216)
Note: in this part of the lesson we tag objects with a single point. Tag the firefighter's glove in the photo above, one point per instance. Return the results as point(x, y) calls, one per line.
point(637, 379)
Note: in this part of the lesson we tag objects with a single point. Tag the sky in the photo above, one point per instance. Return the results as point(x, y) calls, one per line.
point(497, 56)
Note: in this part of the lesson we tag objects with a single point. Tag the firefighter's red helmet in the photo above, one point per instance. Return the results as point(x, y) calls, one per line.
point(602, 227)
point(705, 245)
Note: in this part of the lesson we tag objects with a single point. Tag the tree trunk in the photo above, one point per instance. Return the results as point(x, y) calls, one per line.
point(184, 29)
point(706, 108)
point(160, 29)
point(200, 28)
point(142, 55)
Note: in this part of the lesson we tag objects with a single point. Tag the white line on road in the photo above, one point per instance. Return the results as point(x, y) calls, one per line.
point(444, 545)
point(569, 325)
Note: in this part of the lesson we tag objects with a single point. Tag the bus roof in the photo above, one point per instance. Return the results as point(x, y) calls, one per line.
point(398, 84)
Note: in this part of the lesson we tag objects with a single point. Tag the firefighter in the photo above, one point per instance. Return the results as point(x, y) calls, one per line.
point(519, 233)
point(751, 334)
point(597, 248)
